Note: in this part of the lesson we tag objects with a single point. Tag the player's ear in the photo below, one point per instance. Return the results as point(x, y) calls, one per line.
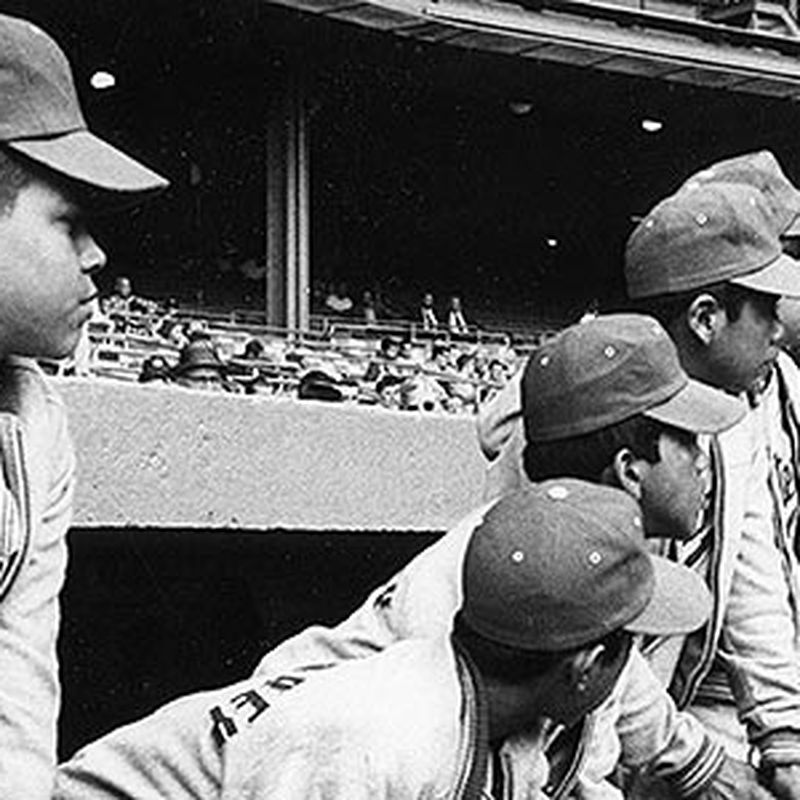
point(703, 317)
point(583, 667)
point(627, 472)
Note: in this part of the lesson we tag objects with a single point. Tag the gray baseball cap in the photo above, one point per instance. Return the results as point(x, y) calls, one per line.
point(762, 171)
point(563, 563)
point(604, 371)
point(715, 233)
point(41, 118)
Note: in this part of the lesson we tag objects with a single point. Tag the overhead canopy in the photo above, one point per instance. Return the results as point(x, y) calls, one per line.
point(713, 45)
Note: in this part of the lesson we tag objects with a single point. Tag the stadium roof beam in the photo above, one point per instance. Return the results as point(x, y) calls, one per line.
point(600, 35)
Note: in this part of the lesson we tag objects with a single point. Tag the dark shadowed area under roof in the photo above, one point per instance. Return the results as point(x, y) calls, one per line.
point(424, 171)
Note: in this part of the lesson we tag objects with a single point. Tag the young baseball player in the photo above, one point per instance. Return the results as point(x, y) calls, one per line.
point(708, 263)
point(556, 580)
point(650, 412)
point(51, 169)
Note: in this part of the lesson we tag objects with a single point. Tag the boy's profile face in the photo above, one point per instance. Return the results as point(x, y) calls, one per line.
point(675, 488)
point(744, 349)
point(47, 258)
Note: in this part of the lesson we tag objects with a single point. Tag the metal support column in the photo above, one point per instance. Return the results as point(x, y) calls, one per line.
point(287, 208)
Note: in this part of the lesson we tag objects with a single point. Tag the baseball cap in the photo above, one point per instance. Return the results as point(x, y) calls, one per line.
point(716, 232)
point(41, 118)
point(563, 563)
point(762, 171)
point(603, 371)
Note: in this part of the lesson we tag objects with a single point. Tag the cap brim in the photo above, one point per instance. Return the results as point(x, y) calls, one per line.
point(681, 602)
point(700, 409)
point(781, 277)
point(794, 227)
point(81, 156)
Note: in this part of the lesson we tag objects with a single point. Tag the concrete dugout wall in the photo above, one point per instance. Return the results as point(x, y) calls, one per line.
point(209, 527)
point(167, 457)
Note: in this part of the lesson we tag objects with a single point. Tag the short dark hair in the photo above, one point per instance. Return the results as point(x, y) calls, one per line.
point(513, 665)
point(14, 176)
point(666, 308)
point(586, 456)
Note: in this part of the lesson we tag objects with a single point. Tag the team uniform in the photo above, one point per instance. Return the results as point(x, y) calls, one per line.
point(47, 258)
point(38, 468)
point(744, 659)
point(195, 745)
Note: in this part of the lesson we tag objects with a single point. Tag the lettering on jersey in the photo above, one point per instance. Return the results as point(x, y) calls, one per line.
point(384, 599)
point(253, 699)
point(247, 705)
point(222, 728)
point(284, 682)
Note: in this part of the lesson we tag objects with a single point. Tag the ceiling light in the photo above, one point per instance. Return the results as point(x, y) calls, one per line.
point(551, 242)
point(103, 80)
point(520, 107)
point(652, 125)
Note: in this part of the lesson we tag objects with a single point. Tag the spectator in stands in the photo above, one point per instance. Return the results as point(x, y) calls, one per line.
point(124, 301)
point(369, 312)
point(338, 300)
point(496, 379)
point(389, 391)
point(423, 393)
point(384, 364)
point(320, 384)
point(427, 313)
point(197, 329)
point(455, 317)
point(442, 359)
point(498, 372)
point(463, 393)
point(155, 368)
point(172, 331)
point(254, 349)
point(200, 367)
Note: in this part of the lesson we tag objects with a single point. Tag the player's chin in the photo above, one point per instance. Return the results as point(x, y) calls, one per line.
point(61, 346)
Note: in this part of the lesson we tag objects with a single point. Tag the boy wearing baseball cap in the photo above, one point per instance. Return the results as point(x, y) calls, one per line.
point(52, 168)
point(556, 580)
point(708, 263)
point(646, 447)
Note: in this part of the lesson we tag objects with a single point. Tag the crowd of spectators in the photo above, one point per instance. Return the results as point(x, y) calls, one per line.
point(415, 369)
point(334, 300)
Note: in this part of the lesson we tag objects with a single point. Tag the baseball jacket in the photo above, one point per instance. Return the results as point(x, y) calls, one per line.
point(746, 652)
point(420, 601)
point(35, 509)
point(410, 722)
point(218, 743)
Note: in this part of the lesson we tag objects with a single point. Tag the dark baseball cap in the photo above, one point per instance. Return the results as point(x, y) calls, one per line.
point(762, 171)
point(714, 233)
point(561, 564)
point(606, 370)
point(41, 118)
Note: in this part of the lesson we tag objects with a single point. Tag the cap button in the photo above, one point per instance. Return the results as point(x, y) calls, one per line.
point(701, 219)
point(544, 360)
point(595, 558)
point(610, 352)
point(558, 493)
point(518, 556)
